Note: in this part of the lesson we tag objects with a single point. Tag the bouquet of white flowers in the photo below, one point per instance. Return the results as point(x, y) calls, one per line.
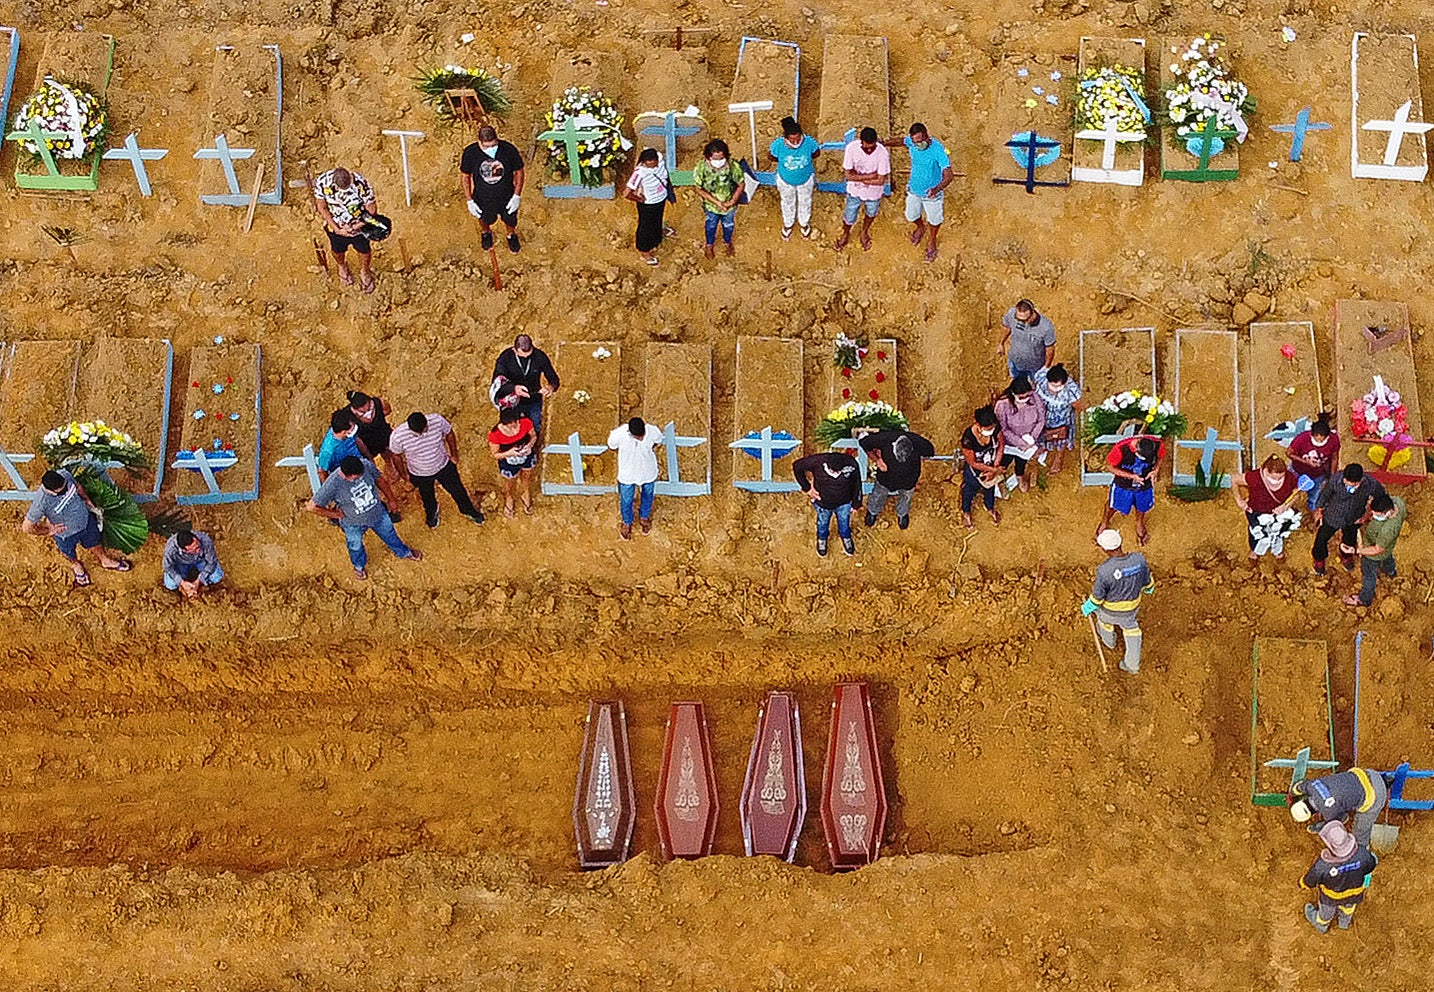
point(1155, 416)
point(589, 110)
point(78, 117)
point(1205, 89)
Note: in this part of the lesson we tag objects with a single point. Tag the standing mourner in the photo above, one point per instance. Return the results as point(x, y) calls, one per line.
point(1028, 341)
point(832, 481)
point(350, 497)
point(718, 181)
point(190, 564)
point(897, 457)
point(340, 441)
point(1022, 417)
point(867, 165)
point(981, 461)
point(1341, 507)
point(1376, 551)
point(514, 443)
point(1314, 456)
point(1358, 792)
point(1120, 581)
point(371, 415)
point(1267, 489)
point(61, 511)
point(531, 375)
point(343, 198)
point(648, 188)
point(794, 152)
point(926, 190)
point(491, 173)
point(1338, 878)
point(1134, 462)
point(636, 471)
point(425, 449)
point(1061, 396)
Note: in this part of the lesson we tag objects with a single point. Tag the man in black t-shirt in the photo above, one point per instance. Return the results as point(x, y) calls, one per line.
point(897, 457)
point(492, 176)
point(529, 372)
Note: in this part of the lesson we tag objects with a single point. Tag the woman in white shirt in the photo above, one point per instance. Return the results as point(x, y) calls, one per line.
point(647, 187)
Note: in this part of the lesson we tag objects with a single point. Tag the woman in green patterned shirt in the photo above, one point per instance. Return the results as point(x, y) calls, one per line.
point(718, 181)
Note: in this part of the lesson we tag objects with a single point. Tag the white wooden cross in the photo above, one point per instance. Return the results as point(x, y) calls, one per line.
point(403, 137)
point(1111, 135)
point(575, 450)
point(307, 461)
point(674, 484)
point(1207, 447)
point(750, 108)
point(137, 156)
point(1397, 128)
point(227, 157)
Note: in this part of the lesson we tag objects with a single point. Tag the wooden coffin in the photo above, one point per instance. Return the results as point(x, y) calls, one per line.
point(686, 805)
point(774, 793)
point(853, 795)
point(605, 808)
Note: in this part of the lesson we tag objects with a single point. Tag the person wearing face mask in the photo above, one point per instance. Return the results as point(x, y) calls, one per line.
point(1114, 599)
point(718, 181)
point(1062, 398)
point(1342, 504)
point(1134, 463)
point(528, 373)
point(926, 189)
point(340, 442)
point(1267, 489)
point(832, 481)
point(343, 199)
point(648, 187)
point(1314, 456)
point(1376, 550)
point(1029, 339)
point(1022, 417)
point(371, 415)
point(980, 465)
point(794, 153)
point(491, 173)
point(867, 164)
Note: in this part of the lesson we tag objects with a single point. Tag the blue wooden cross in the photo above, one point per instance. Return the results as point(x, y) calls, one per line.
point(768, 447)
point(673, 484)
point(670, 131)
point(308, 461)
point(1300, 765)
point(570, 134)
point(1036, 151)
point(1207, 449)
point(39, 138)
point(7, 463)
point(226, 157)
point(137, 156)
point(1299, 129)
point(575, 449)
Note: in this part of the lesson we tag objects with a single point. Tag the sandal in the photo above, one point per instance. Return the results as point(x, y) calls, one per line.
point(842, 241)
point(413, 555)
point(362, 573)
point(369, 285)
point(1352, 601)
point(528, 505)
point(82, 578)
point(508, 508)
point(966, 519)
point(866, 242)
point(996, 517)
point(1142, 537)
point(930, 254)
point(346, 277)
point(120, 565)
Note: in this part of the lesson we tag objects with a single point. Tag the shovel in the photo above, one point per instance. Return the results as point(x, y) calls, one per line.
point(1384, 837)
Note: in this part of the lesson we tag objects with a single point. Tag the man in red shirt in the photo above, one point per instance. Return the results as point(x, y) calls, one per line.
point(1135, 462)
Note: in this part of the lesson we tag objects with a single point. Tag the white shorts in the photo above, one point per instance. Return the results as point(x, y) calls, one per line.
point(932, 207)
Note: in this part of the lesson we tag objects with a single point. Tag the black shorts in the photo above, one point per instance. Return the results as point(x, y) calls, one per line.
point(492, 212)
point(340, 243)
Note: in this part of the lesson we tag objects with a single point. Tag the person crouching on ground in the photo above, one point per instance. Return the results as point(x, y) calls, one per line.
point(718, 181)
point(190, 563)
point(832, 481)
point(343, 198)
point(636, 471)
point(61, 511)
point(1267, 489)
point(1022, 417)
point(1120, 581)
point(981, 470)
point(1338, 878)
point(514, 443)
point(647, 187)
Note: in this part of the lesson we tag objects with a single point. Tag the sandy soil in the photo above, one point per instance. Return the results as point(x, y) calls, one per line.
point(308, 783)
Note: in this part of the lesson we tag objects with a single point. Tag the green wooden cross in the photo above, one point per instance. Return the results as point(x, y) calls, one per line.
point(39, 136)
point(1208, 131)
point(570, 135)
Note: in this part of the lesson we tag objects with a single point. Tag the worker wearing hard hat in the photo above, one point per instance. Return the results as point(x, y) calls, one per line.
point(1360, 792)
point(1120, 581)
point(1338, 878)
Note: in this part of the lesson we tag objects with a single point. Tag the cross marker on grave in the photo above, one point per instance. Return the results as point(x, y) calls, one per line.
point(1033, 145)
point(1299, 129)
point(137, 156)
point(669, 130)
point(1397, 128)
point(1208, 131)
point(403, 137)
point(306, 461)
point(863, 463)
point(1300, 765)
point(674, 483)
point(227, 157)
point(1207, 448)
point(750, 108)
point(768, 447)
point(7, 464)
point(1288, 431)
point(1112, 136)
point(38, 137)
point(570, 134)
point(575, 449)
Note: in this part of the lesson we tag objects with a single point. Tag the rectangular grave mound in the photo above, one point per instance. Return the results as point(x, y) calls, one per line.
point(1031, 136)
point(1355, 368)
point(1289, 710)
point(1207, 392)
point(221, 423)
point(1111, 362)
point(245, 108)
point(127, 382)
point(1185, 157)
point(877, 375)
point(767, 70)
point(578, 418)
point(1387, 126)
point(677, 390)
point(9, 59)
point(856, 93)
point(38, 389)
point(564, 148)
point(768, 414)
point(774, 792)
point(686, 806)
point(1112, 151)
point(82, 58)
point(1283, 372)
point(853, 791)
point(605, 802)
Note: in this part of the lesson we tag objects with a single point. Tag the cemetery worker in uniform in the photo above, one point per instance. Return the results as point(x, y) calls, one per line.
point(867, 165)
point(1061, 396)
point(61, 511)
point(1028, 341)
point(424, 449)
point(350, 497)
point(190, 564)
point(981, 471)
point(832, 481)
point(1358, 792)
point(719, 182)
point(1134, 462)
point(1314, 456)
point(794, 153)
point(897, 457)
point(1265, 490)
point(647, 187)
point(514, 443)
point(1338, 878)
point(1342, 505)
point(491, 173)
point(531, 374)
point(926, 189)
point(1376, 550)
point(1120, 581)
point(343, 198)
point(634, 442)
point(1022, 416)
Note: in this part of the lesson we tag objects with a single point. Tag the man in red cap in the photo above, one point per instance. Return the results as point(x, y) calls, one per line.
point(1339, 877)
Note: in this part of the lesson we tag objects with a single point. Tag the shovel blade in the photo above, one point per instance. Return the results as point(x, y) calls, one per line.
point(1384, 837)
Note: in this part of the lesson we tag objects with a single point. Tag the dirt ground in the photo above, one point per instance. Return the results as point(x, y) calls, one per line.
point(312, 783)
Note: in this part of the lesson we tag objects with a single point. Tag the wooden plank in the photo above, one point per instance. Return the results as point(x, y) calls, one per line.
point(880, 358)
point(126, 383)
point(237, 369)
point(605, 801)
point(1384, 75)
point(686, 806)
point(1355, 369)
point(768, 394)
point(584, 369)
point(37, 394)
point(1207, 391)
point(774, 792)
point(853, 791)
point(1280, 388)
point(1176, 162)
point(1088, 155)
point(1011, 115)
point(1291, 708)
point(677, 388)
point(1112, 361)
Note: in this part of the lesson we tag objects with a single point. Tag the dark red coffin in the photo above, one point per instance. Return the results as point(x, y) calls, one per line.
point(774, 793)
point(605, 808)
point(853, 795)
point(686, 803)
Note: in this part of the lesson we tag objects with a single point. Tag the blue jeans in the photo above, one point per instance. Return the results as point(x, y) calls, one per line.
point(1369, 569)
point(727, 220)
point(824, 521)
point(627, 494)
point(353, 537)
point(532, 408)
point(171, 582)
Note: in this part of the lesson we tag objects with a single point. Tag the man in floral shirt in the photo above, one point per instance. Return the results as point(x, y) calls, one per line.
point(343, 198)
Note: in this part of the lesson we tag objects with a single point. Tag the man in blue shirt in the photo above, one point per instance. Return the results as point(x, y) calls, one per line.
point(796, 176)
point(340, 442)
point(926, 190)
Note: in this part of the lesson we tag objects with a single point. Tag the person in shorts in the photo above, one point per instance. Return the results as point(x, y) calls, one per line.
point(491, 171)
point(867, 164)
point(343, 198)
point(514, 443)
point(926, 190)
point(61, 511)
point(1134, 462)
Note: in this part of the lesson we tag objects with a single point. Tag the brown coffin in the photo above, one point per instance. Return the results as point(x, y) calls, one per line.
point(774, 793)
point(853, 794)
point(605, 808)
point(686, 803)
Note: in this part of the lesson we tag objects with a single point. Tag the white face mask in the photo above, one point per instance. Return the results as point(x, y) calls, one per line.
point(490, 152)
point(718, 163)
point(1023, 400)
point(1317, 441)
point(1273, 481)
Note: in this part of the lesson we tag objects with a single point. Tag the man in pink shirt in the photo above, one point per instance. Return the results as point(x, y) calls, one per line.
point(867, 164)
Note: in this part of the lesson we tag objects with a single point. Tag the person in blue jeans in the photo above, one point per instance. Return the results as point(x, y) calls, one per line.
point(832, 481)
point(637, 473)
point(190, 564)
point(718, 180)
point(350, 496)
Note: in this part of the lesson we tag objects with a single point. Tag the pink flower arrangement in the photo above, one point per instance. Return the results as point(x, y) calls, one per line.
point(1380, 414)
